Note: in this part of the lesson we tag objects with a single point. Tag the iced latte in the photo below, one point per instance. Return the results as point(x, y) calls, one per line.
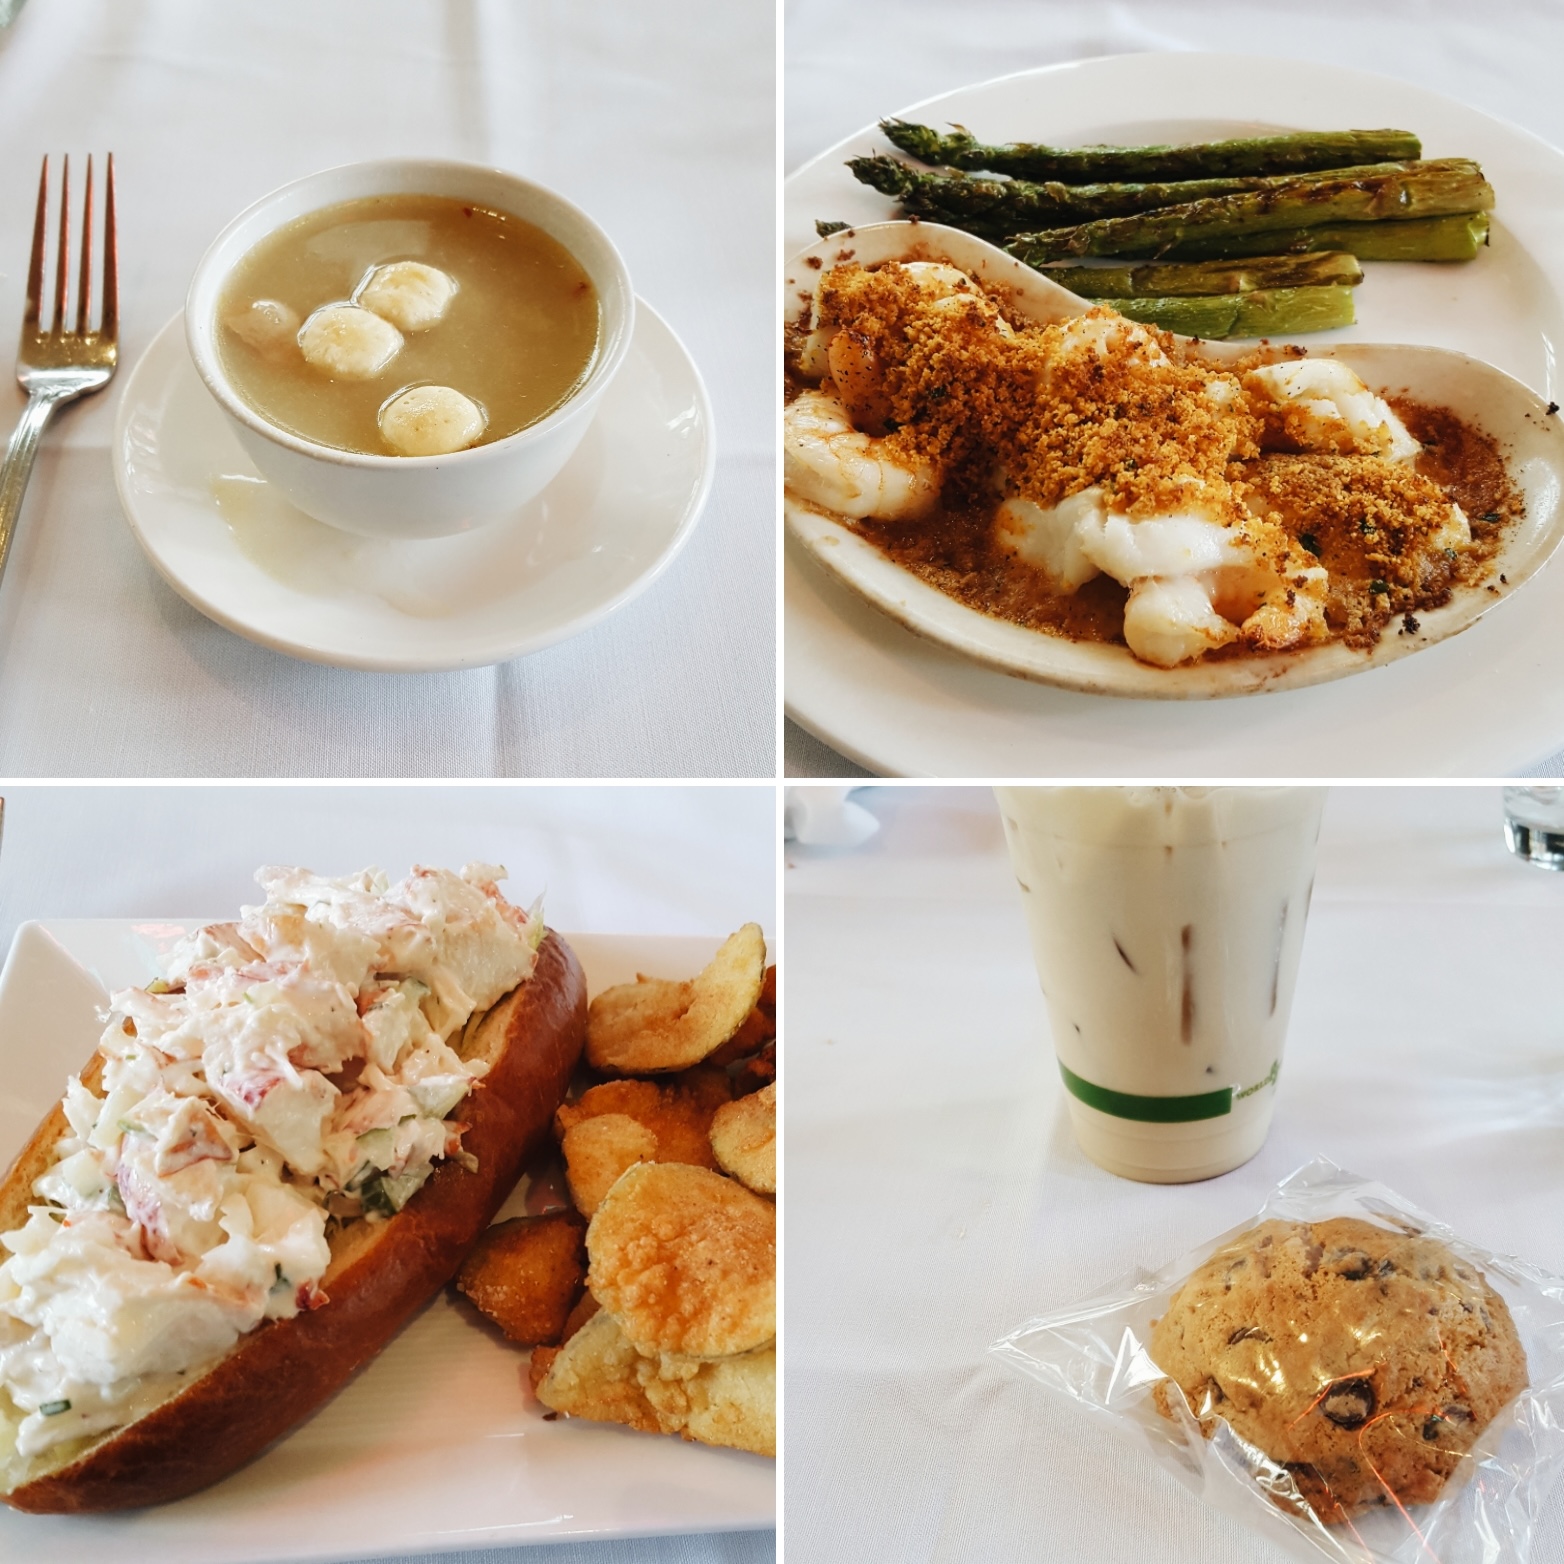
point(1166, 925)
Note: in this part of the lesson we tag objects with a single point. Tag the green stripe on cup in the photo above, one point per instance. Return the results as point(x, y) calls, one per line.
point(1149, 1110)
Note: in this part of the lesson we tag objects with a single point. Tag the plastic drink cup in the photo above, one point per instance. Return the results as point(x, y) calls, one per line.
point(1166, 925)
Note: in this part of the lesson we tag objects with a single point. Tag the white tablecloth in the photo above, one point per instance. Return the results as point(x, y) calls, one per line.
point(848, 66)
point(658, 122)
point(936, 1197)
point(609, 860)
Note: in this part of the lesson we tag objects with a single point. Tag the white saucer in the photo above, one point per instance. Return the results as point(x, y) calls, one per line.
point(599, 535)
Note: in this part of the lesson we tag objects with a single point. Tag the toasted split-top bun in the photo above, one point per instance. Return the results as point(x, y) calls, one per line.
point(653, 1026)
point(381, 1273)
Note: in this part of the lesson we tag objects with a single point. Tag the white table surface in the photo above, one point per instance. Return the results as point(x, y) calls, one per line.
point(657, 120)
point(664, 860)
point(846, 66)
point(937, 1199)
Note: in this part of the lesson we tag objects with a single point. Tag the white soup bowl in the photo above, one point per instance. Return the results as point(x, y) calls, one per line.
point(414, 496)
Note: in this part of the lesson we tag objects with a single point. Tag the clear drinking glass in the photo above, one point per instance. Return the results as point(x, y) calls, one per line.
point(1534, 824)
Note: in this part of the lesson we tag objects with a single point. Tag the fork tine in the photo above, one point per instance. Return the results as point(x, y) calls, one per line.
point(84, 289)
point(62, 260)
point(35, 266)
point(110, 325)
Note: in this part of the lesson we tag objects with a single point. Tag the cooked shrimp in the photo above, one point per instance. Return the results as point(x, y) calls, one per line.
point(859, 379)
point(933, 277)
point(1277, 604)
point(1170, 564)
point(1456, 532)
point(1195, 583)
point(1170, 620)
point(1319, 404)
point(829, 463)
point(1289, 617)
point(1103, 333)
point(1048, 538)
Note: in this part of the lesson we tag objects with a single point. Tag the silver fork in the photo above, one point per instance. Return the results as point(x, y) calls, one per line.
point(58, 365)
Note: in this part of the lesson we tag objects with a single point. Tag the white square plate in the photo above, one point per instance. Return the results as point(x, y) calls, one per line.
point(438, 1444)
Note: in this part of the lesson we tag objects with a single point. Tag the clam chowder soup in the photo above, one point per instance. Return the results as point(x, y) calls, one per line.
point(407, 325)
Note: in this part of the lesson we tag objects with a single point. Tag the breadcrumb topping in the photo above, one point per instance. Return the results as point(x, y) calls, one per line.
point(1378, 527)
point(1004, 407)
point(962, 380)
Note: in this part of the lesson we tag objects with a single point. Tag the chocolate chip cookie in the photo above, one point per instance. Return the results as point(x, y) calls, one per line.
point(1366, 1361)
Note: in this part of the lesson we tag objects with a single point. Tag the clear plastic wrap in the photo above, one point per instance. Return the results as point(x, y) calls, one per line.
point(1323, 1360)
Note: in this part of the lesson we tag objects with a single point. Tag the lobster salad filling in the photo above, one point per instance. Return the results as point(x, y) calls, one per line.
point(291, 1073)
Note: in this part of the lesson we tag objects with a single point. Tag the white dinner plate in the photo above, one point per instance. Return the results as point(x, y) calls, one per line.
point(437, 1445)
point(1487, 702)
point(597, 537)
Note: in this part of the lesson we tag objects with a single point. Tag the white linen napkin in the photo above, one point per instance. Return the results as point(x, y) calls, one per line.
point(825, 817)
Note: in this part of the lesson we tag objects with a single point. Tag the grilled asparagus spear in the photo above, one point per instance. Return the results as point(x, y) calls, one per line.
point(999, 208)
point(1434, 189)
point(1183, 279)
point(1266, 312)
point(1294, 153)
point(1455, 238)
